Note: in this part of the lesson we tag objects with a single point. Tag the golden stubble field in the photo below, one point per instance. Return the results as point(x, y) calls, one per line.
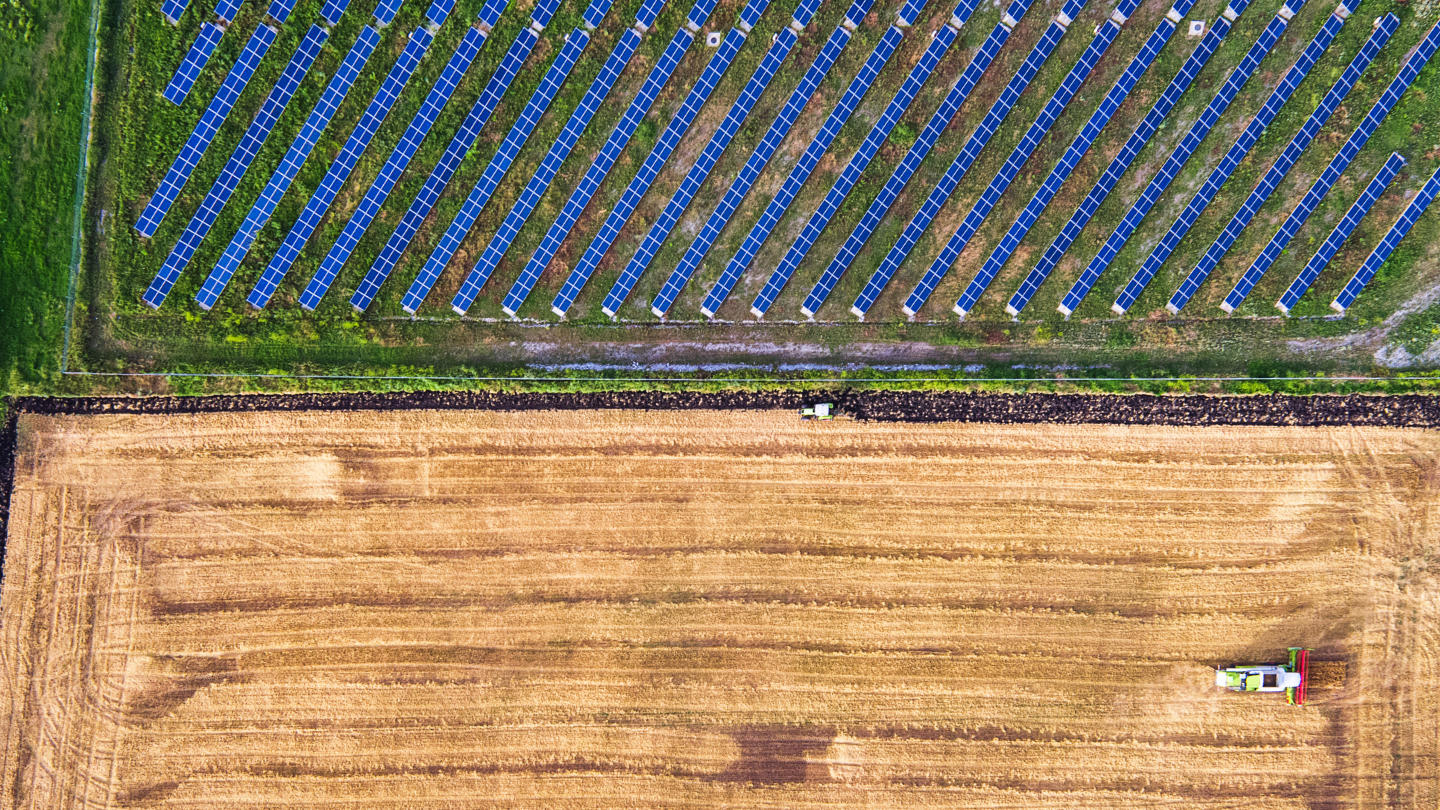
point(631, 609)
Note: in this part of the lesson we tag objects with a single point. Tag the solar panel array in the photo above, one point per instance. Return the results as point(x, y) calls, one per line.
point(915, 155)
point(937, 197)
point(1147, 127)
point(227, 9)
point(172, 9)
point(1248, 138)
point(386, 10)
point(462, 142)
point(1181, 154)
point(1078, 148)
point(1104, 37)
point(740, 186)
point(494, 172)
point(615, 144)
point(1322, 185)
point(739, 111)
point(279, 10)
point(802, 169)
point(1341, 232)
point(649, 170)
point(235, 168)
point(194, 61)
point(290, 164)
point(535, 188)
point(1384, 28)
point(340, 168)
point(439, 10)
point(204, 132)
point(879, 132)
point(333, 10)
point(395, 165)
point(1388, 243)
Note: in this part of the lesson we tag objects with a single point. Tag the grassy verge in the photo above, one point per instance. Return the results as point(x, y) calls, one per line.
point(44, 45)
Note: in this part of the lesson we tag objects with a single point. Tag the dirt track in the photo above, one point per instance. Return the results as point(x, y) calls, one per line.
point(622, 608)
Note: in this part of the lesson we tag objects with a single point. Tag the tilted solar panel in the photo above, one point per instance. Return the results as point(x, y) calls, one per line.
point(340, 168)
point(857, 89)
point(615, 144)
point(915, 155)
point(279, 10)
point(1248, 138)
point(333, 10)
point(172, 9)
point(937, 197)
point(193, 63)
point(994, 117)
point(917, 78)
point(669, 139)
point(463, 141)
point(1180, 155)
point(386, 10)
point(235, 168)
point(1383, 29)
point(1121, 163)
point(1341, 232)
point(700, 170)
point(535, 189)
point(290, 164)
point(769, 143)
point(395, 165)
point(1104, 38)
point(1357, 140)
point(1077, 150)
point(227, 9)
point(199, 140)
point(1388, 243)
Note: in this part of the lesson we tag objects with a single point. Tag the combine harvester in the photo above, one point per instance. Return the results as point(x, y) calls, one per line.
point(1289, 678)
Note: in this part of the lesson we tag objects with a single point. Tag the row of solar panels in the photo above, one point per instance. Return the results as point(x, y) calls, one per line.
point(376, 195)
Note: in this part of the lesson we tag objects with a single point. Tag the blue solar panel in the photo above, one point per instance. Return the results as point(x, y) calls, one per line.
point(734, 119)
point(1008, 170)
point(1238, 150)
point(340, 168)
point(333, 10)
point(1338, 164)
point(386, 10)
point(1341, 232)
point(859, 162)
point(1384, 28)
point(284, 174)
point(924, 142)
point(741, 184)
point(279, 10)
point(1388, 244)
point(1078, 148)
point(463, 141)
point(994, 117)
point(802, 169)
point(1181, 154)
point(172, 9)
point(1121, 163)
point(439, 10)
point(236, 166)
point(1104, 37)
point(194, 62)
point(615, 144)
point(649, 10)
point(536, 187)
point(395, 166)
point(669, 139)
point(204, 131)
point(226, 9)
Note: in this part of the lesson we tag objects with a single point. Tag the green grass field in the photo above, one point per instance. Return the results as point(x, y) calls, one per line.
point(137, 134)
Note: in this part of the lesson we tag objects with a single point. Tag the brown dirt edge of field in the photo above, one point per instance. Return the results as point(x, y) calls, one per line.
point(1369, 410)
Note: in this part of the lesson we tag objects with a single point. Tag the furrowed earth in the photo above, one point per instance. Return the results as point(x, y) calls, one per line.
point(627, 608)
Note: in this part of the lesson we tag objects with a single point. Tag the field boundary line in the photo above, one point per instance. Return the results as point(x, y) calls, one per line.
point(82, 174)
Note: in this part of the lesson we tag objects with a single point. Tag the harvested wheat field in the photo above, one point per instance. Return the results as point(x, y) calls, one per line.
point(639, 609)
